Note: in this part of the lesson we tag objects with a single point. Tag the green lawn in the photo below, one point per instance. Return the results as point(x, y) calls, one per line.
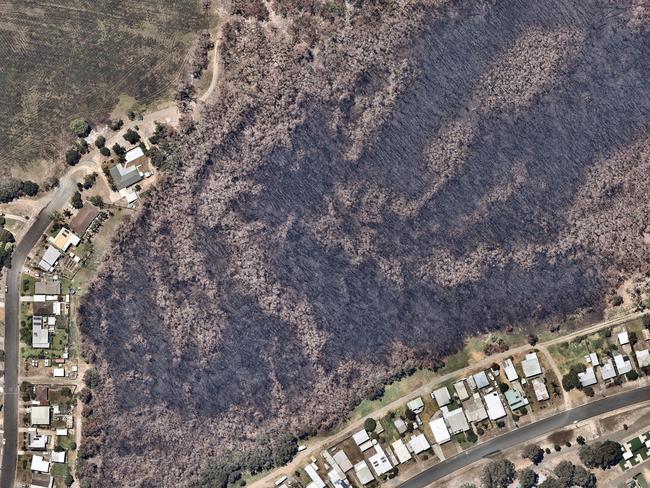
point(66, 442)
point(27, 283)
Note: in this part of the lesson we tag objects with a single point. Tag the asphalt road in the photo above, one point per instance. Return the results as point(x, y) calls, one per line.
point(525, 434)
point(63, 194)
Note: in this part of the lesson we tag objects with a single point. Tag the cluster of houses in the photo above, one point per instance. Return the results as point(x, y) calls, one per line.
point(471, 400)
point(128, 174)
point(40, 438)
point(619, 363)
point(48, 306)
point(57, 247)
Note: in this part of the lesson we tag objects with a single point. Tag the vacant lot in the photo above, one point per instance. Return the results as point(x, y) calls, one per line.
point(75, 57)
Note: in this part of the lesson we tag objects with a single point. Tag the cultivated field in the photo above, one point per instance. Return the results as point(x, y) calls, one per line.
point(73, 58)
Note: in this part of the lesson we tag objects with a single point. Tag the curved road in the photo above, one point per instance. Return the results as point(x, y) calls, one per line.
point(525, 434)
point(63, 194)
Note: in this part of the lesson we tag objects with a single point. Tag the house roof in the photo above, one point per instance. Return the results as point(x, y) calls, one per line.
point(515, 399)
point(133, 154)
point(418, 444)
point(38, 441)
point(416, 405)
point(402, 453)
point(64, 239)
point(124, 177)
point(455, 420)
point(475, 409)
point(588, 378)
point(442, 396)
point(531, 365)
point(461, 391)
point(643, 358)
point(607, 370)
point(51, 255)
point(509, 368)
point(481, 380)
point(313, 475)
point(47, 287)
point(622, 365)
point(40, 333)
point(40, 465)
point(400, 425)
point(80, 222)
point(40, 415)
point(58, 456)
point(494, 406)
point(343, 461)
point(541, 392)
point(43, 308)
point(623, 338)
point(361, 437)
point(593, 359)
point(379, 461)
point(439, 430)
point(40, 480)
point(363, 473)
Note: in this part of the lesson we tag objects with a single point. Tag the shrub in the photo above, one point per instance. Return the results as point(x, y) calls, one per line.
point(503, 387)
point(616, 300)
point(580, 440)
point(97, 201)
point(92, 378)
point(557, 447)
point(6, 236)
point(527, 478)
point(370, 424)
point(498, 474)
point(571, 380)
point(480, 431)
point(601, 455)
point(72, 156)
point(76, 201)
point(501, 424)
point(632, 375)
point(80, 127)
point(116, 124)
point(29, 188)
point(100, 142)
point(533, 452)
point(589, 391)
point(119, 150)
point(104, 151)
point(131, 136)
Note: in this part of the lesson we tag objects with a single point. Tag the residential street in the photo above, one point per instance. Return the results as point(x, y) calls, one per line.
point(12, 317)
point(525, 434)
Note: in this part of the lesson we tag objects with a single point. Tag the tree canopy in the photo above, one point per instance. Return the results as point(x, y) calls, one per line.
point(601, 455)
point(80, 127)
point(498, 474)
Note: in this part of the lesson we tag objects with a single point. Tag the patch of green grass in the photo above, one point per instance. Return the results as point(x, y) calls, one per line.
point(394, 391)
point(60, 340)
point(27, 284)
point(60, 470)
point(390, 432)
point(458, 361)
point(66, 442)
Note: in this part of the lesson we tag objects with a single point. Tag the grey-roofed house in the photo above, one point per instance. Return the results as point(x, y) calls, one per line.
point(49, 259)
point(455, 420)
point(587, 378)
point(623, 364)
point(343, 461)
point(47, 287)
point(461, 391)
point(607, 371)
point(643, 358)
point(124, 177)
point(481, 380)
point(531, 365)
point(475, 409)
point(442, 397)
point(40, 333)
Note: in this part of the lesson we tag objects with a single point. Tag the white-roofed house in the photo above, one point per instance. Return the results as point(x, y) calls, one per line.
point(379, 461)
point(343, 461)
point(362, 471)
point(461, 391)
point(361, 437)
point(401, 451)
point(456, 421)
point(481, 380)
point(40, 465)
point(313, 475)
point(587, 378)
point(494, 406)
point(439, 430)
point(418, 444)
point(541, 392)
point(531, 365)
point(623, 338)
point(40, 415)
point(623, 364)
point(64, 239)
point(40, 333)
point(38, 442)
point(338, 478)
point(593, 359)
point(400, 425)
point(441, 396)
point(134, 156)
point(416, 405)
point(58, 456)
point(607, 371)
point(643, 358)
point(509, 368)
point(49, 259)
point(475, 409)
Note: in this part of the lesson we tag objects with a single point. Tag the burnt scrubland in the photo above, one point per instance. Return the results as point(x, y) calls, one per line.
point(65, 59)
point(372, 182)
